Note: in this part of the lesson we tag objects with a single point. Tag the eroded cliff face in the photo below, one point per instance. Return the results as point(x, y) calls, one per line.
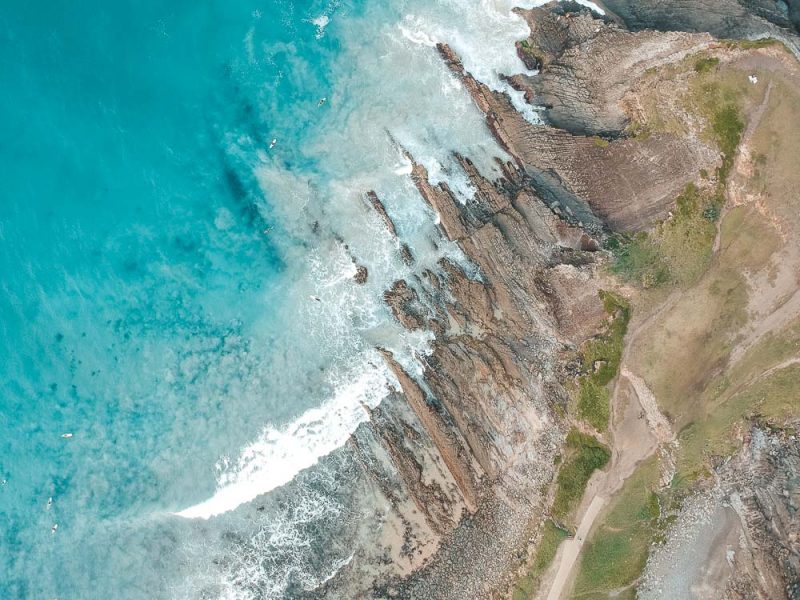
point(742, 537)
point(625, 186)
point(490, 386)
point(459, 458)
point(586, 67)
point(737, 19)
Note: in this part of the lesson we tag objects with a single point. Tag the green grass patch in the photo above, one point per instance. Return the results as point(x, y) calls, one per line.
point(552, 536)
point(728, 126)
point(593, 402)
point(584, 455)
point(676, 251)
point(705, 63)
point(717, 97)
point(601, 357)
point(771, 399)
point(600, 142)
point(638, 130)
point(754, 44)
point(531, 52)
point(616, 552)
point(606, 351)
point(637, 259)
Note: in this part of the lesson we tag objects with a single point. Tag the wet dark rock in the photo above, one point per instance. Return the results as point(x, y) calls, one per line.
point(405, 305)
point(736, 19)
point(361, 274)
point(376, 204)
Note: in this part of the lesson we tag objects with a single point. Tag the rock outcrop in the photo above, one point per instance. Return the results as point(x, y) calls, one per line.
point(588, 66)
point(460, 455)
point(735, 19)
point(463, 451)
point(625, 185)
point(743, 535)
point(491, 382)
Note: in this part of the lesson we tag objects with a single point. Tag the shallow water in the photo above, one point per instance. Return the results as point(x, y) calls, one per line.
point(181, 216)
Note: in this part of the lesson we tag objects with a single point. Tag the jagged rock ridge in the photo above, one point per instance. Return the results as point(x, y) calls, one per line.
point(461, 454)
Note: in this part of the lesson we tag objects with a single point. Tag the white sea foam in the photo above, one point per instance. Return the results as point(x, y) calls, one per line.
point(485, 45)
point(322, 354)
point(592, 6)
point(483, 36)
point(321, 22)
point(351, 318)
point(279, 454)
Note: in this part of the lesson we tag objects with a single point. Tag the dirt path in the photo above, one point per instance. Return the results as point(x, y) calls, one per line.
point(571, 549)
point(638, 429)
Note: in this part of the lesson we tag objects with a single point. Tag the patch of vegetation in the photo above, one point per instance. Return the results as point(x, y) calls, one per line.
point(600, 363)
point(684, 361)
point(676, 251)
point(584, 455)
point(531, 53)
point(640, 131)
point(771, 399)
point(593, 402)
point(552, 536)
point(728, 126)
point(717, 97)
point(637, 259)
point(600, 142)
point(705, 63)
point(615, 554)
point(753, 44)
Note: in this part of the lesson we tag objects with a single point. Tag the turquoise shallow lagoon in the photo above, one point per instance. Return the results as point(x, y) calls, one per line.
point(180, 331)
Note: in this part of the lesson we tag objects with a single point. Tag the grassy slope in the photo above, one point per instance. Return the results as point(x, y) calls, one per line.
point(600, 363)
point(552, 536)
point(583, 455)
point(686, 357)
point(616, 552)
point(685, 354)
point(678, 250)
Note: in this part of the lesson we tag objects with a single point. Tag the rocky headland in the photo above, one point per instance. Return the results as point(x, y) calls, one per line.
point(626, 201)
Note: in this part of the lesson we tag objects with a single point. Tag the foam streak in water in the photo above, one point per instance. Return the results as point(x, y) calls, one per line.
point(279, 454)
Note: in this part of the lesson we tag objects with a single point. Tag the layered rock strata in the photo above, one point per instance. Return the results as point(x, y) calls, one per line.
point(624, 186)
point(737, 19)
point(742, 537)
point(459, 457)
point(587, 67)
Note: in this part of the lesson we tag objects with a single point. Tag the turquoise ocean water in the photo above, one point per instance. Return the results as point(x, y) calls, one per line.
point(181, 213)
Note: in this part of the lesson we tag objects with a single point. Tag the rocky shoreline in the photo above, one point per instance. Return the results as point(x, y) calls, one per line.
point(463, 454)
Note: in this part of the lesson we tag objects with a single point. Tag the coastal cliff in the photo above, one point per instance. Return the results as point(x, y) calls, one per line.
point(463, 453)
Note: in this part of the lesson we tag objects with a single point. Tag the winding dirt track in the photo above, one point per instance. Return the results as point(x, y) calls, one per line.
point(637, 430)
point(571, 549)
point(637, 434)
